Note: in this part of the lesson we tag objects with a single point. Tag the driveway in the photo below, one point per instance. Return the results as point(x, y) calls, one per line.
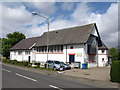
point(97, 73)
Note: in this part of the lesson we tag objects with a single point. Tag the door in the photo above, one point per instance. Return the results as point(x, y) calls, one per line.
point(29, 58)
point(71, 58)
point(50, 64)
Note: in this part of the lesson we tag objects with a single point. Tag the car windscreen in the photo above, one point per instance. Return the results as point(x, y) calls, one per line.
point(62, 63)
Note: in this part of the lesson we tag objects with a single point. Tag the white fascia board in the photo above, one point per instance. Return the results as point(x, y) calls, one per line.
point(32, 45)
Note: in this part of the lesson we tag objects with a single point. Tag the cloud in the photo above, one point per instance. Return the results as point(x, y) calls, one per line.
point(107, 23)
point(47, 8)
point(67, 6)
point(20, 19)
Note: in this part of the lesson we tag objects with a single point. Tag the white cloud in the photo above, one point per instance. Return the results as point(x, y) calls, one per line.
point(15, 19)
point(107, 23)
point(46, 8)
point(67, 6)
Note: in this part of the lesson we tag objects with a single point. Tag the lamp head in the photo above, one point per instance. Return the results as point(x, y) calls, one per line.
point(34, 13)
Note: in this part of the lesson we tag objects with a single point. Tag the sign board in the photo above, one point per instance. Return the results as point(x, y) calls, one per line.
point(79, 54)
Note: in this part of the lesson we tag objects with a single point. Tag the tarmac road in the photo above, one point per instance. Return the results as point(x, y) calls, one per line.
point(17, 78)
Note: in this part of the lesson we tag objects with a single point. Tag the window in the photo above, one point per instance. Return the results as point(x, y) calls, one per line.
point(71, 47)
point(15, 53)
point(56, 48)
point(27, 52)
point(20, 53)
point(103, 51)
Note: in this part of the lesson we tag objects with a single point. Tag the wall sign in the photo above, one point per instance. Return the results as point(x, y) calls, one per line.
point(79, 54)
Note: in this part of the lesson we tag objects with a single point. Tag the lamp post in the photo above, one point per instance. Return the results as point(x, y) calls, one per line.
point(34, 13)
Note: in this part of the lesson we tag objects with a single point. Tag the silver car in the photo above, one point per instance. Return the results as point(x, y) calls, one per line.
point(55, 65)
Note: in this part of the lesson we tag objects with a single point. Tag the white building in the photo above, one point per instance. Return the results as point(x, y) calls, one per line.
point(80, 44)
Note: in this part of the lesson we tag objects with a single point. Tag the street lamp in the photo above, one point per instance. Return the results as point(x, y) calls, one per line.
point(34, 13)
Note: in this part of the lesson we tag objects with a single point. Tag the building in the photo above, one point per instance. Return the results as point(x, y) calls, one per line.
point(80, 44)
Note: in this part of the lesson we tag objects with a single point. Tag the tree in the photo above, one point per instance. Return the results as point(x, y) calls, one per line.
point(115, 54)
point(10, 41)
point(0, 46)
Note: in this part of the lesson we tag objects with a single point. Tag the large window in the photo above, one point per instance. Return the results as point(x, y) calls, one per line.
point(27, 52)
point(19, 52)
point(51, 49)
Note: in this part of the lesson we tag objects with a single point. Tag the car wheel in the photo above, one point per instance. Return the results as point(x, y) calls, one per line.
point(54, 68)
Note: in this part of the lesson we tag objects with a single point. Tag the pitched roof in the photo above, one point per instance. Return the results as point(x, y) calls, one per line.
point(25, 43)
point(103, 47)
point(74, 35)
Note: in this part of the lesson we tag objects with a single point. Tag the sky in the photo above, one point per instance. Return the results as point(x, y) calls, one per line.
point(17, 16)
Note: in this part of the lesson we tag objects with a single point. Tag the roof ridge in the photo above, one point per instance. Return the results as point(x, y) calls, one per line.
point(72, 27)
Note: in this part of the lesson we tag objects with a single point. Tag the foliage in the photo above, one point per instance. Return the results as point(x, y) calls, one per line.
point(24, 63)
point(10, 41)
point(0, 46)
point(115, 71)
point(21, 63)
point(38, 64)
point(115, 54)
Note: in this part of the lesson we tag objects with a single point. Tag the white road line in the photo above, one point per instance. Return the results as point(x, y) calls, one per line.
point(55, 87)
point(6, 70)
point(25, 77)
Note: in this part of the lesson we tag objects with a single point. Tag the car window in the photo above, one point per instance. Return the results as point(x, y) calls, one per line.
point(48, 61)
point(56, 62)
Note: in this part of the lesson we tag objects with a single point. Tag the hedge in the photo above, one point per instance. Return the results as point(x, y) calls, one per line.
point(115, 71)
point(21, 63)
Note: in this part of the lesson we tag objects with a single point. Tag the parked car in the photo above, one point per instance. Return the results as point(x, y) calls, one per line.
point(56, 65)
point(66, 66)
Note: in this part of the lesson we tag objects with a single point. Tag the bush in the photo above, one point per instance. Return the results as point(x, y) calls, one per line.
point(23, 63)
point(38, 64)
point(6, 61)
point(13, 61)
point(115, 71)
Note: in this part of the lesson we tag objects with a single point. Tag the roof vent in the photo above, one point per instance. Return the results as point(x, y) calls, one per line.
point(56, 31)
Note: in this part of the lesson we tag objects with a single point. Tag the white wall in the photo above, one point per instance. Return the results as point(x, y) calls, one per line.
point(23, 57)
point(101, 56)
point(78, 50)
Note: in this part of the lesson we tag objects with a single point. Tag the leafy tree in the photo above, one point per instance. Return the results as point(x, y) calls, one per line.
point(10, 41)
point(0, 46)
point(115, 54)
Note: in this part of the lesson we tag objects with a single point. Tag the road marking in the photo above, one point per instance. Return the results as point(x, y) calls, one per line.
point(6, 70)
point(25, 77)
point(55, 87)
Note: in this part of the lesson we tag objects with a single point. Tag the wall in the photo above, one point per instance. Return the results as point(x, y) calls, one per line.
point(78, 50)
point(101, 56)
point(23, 57)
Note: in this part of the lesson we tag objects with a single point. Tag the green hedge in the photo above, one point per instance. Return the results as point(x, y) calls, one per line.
point(115, 71)
point(21, 63)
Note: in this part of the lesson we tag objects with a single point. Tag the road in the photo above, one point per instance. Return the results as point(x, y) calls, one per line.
point(16, 78)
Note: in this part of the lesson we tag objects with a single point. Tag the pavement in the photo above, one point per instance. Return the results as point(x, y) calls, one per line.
point(97, 75)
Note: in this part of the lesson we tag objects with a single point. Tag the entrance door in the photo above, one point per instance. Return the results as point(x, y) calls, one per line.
point(29, 58)
point(71, 58)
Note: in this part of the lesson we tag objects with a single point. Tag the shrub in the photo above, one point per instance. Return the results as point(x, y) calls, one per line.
point(115, 71)
point(23, 63)
point(38, 64)
point(13, 61)
point(6, 61)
